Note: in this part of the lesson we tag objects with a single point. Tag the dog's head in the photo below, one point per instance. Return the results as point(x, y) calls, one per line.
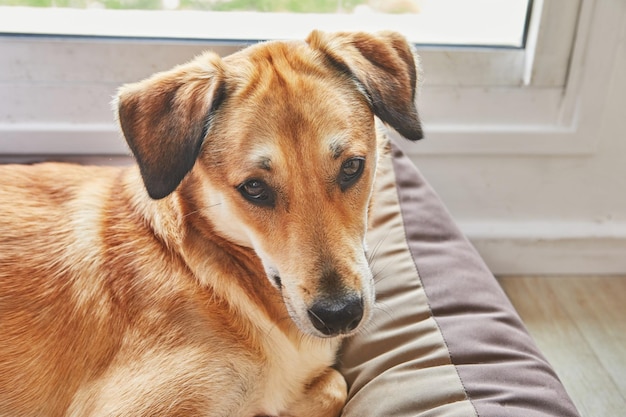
point(279, 144)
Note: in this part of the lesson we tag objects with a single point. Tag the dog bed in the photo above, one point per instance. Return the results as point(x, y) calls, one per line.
point(444, 339)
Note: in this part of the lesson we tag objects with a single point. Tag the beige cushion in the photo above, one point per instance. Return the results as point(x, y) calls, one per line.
point(444, 339)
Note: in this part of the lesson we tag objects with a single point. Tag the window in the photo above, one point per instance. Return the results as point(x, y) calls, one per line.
point(60, 66)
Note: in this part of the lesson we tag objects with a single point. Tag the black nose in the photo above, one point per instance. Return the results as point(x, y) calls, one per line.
point(336, 316)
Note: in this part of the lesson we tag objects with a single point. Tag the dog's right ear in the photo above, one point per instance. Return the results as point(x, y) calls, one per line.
point(166, 117)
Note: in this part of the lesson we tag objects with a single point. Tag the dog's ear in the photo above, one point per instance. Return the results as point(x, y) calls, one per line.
point(166, 117)
point(386, 68)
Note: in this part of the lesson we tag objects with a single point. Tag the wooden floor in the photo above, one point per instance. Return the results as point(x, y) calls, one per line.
point(580, 325)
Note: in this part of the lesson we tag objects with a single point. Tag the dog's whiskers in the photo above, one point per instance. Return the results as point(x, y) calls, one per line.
point(378, 276)
point(374, 252)
point(191, 213)
point(384, 308)
point(372, 258)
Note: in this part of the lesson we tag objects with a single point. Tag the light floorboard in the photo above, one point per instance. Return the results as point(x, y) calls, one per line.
point(579, 323)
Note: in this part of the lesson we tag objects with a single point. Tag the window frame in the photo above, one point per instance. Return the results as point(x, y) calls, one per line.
point(535, 100)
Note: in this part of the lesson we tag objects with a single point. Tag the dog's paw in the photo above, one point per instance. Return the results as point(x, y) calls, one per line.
point(325, 396)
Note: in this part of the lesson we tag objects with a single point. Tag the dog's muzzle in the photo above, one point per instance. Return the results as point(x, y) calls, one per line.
point(335, 316)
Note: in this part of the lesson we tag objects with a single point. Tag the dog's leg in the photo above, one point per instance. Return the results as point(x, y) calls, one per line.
point(324, 397)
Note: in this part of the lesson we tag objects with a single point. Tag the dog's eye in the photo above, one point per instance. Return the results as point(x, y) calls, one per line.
point(257, 192)
point(351, 171)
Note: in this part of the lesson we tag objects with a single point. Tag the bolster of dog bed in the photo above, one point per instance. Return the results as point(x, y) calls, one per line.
point(444, 340)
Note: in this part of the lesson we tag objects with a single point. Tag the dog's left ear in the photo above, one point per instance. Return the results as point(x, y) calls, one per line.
point(385, 66)
point(165, 119)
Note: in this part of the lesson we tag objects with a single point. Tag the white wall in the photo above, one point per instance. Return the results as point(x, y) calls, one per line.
point(546, 213)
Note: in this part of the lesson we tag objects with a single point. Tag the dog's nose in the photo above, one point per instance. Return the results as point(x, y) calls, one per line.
point(336, 316)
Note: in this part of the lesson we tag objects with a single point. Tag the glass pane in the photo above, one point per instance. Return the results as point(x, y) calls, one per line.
point(290, 6)
point(447, 22)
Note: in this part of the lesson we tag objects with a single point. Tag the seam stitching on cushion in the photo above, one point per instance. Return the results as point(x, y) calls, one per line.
point(419, 276)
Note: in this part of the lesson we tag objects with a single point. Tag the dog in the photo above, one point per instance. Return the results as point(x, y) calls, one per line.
point(218, 275)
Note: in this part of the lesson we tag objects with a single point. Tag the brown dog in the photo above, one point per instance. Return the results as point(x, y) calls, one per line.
point(218, 277)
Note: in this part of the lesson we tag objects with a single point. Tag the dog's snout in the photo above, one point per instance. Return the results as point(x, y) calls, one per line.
point(337, 316)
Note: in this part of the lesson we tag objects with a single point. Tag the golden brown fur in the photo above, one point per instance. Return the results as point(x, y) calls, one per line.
point(202, 296)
